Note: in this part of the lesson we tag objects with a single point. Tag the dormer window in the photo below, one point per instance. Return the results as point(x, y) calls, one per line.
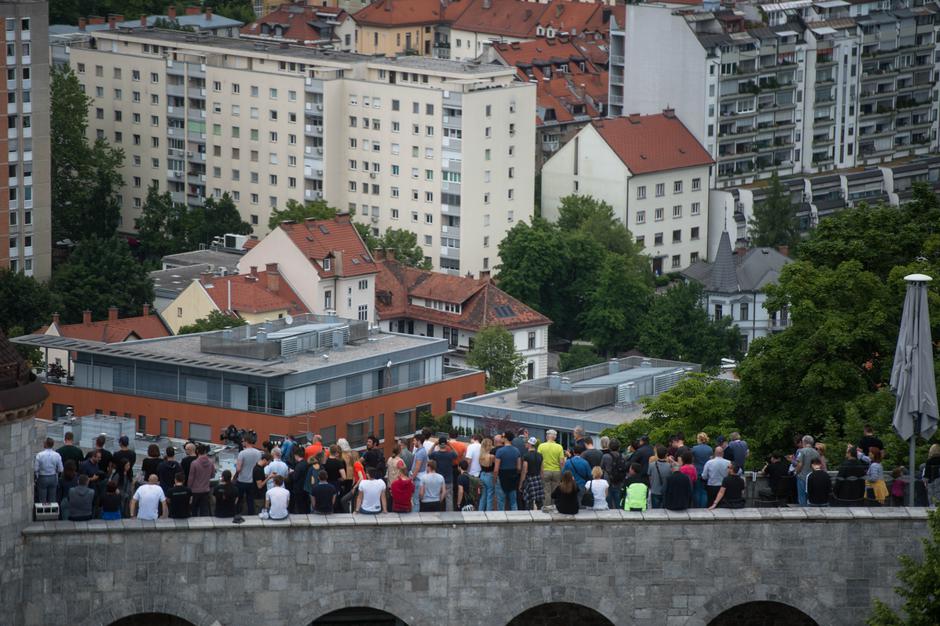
point(539, 31)
point(327, 264)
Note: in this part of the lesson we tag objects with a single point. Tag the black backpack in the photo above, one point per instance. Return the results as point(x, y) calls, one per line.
point(618, 469)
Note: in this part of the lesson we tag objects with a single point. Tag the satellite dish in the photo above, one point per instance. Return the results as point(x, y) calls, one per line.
point(289, 319)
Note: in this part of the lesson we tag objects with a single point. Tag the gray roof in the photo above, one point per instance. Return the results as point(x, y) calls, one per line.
point(731, 273)
point(199, 22)
point(216, 258)
point(170, 283)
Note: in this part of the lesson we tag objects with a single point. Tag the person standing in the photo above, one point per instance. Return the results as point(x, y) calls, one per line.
point(804, 465)
point(433, 490)
point(533, 489)
point(69, 451)
point(714, 473)
point(659, 472)
point(419, 468)
point(299, 499)
point(737, 452)
point(615, 472)
point(180, 497)
point(47, 467)
point(473, 454)
point(507, 469)
point(701, 453)
point(579, 468)
point(553, 457)
point(167, 470)
point(104, 458)
point(124, 453)
point(199, 481)
point(445, 457)
point(276, 467)
point(487, 478)
point(190, 455)
point(244, 467)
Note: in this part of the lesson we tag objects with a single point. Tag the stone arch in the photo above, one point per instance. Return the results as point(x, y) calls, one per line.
point(763, 613)
point(560, 613)
point(142, 605)
point(605, 605)
point(396, 604)
point(152, 619)
point(792, 597)
point(358, 615)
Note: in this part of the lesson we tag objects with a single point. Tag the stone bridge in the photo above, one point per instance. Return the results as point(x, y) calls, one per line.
point(696, 568)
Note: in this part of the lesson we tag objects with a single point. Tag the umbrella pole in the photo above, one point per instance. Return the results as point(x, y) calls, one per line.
point(911, 480)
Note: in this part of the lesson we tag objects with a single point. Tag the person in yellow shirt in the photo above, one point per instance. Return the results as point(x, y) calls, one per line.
point(553, 456)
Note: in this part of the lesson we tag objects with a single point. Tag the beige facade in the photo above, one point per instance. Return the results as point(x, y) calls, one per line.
point(25, 200)
point(269, 123)
point(194, 304)
point(666, 211)
point(394, 40)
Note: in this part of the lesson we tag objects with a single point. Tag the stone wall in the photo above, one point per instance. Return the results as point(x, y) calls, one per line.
point(16, 498)
point(657, 567)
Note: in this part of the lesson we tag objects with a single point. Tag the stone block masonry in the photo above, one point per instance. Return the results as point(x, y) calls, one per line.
point(658, 567)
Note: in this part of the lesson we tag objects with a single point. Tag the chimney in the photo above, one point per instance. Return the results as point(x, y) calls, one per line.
point(82, 23)
point(143, 21)
point(343, 218)
point(605, 14)
point(388, 5)
point(338, 262)
point(145, 310)
point(96, 20)
point(784, 250)
point(254, 271)
point(487, 4)
point(171, 12)
point(390, 254)
point(112, 313)
point(273, 276)
point(55, 319)
point(205, 278)
point(741, 251)
point(208, 14)
point(86, 317)
point(669, 113)
point(112, 23)
point(118, 17)
point(192, 11)
point(484, 276)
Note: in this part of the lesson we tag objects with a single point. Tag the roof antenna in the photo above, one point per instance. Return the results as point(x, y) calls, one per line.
point(726, 216)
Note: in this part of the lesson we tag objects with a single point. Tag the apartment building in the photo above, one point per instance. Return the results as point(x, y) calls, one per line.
point(25, 201)
point(651, 171)
point(818, 86)
point(268, 123)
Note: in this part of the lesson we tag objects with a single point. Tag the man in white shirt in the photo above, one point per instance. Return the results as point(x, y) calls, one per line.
point(47, 467)
point(371, 497)
point(276, 467)
point(277, 499)
point(713, 473)
point(473, 454)
point(149, 501)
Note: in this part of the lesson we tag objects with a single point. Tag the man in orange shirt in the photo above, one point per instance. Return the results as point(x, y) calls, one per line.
point(457, 446)
point(314, 448)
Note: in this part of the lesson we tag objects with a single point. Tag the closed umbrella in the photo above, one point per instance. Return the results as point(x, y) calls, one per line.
point(912, 377)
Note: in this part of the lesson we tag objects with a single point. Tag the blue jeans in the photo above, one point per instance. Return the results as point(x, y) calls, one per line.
point(801, 490)
point(415, 503)
point(501, 496)
point(613, 497)
point(699, 495)
point(246, 497)
point(656, 501)
point(46, 488)
point(486, 500)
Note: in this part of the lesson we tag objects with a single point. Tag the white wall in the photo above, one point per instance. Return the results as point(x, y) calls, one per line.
point(293, 266)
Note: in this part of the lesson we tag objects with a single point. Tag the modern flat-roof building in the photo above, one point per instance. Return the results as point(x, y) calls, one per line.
point(305, 374)
point(595, 397)
point(25, 201)
point(270, 122)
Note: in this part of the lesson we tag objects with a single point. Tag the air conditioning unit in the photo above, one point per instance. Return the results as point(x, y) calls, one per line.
point(372, 175)
point(189, 155)
point(203, 135)
point(319, 172)
point(319, 150)
point(308, 81)
point(319, 107)
point(318, 129)
point(317, 194)
point(375, 219)
point(178, 174)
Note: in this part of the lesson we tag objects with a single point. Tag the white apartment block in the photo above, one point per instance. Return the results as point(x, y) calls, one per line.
point(268, 123)
point(653, 173)
point(822, 85)
point(25, 200)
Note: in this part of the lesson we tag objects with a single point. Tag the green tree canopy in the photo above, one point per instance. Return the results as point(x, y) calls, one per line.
point(300, 211)
point(216, 320)
point(85, 177)
point(917, 585)
point(28, 303)
point(216, 217)
point(405, 245)
point(161, 227)
point(99, 274)
point(578, 355)
point(616, 305)
point(678, 327)
point(775, 222)
point(493, 352)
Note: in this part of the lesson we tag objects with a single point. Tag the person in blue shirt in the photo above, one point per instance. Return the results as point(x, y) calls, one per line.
point(701, 454)
point(508, 470)
point(579, 467)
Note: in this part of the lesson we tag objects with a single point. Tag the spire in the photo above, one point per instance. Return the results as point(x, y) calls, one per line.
point(724, 275)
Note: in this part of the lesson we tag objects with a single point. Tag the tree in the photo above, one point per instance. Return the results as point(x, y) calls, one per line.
point(616, 305)
point(578, 356)
point(494, 352)
point(775, 222)
point(596, 219)
point(29, 303)
point(300, 211)
point(216, 217)
point(216, 320)
point(677, 327)
point(918, 585)
point(99, 274)
point(405, 245)
point(161, 227)
point(85, 177)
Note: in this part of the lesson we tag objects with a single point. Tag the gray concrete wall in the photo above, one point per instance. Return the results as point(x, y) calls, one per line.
point(468, 568)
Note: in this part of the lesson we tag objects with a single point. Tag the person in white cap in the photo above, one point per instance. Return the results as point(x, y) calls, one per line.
point(553, 457)
point(533, 490)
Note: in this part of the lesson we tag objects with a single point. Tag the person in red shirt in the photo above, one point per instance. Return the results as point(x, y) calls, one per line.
point(402, 490)
point(687, 466)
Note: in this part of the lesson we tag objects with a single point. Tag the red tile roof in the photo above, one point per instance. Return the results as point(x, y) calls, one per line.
point(253, 293)
point(301, 23)
point(391, 13)
point(521, 18)
point(116, 330)
point(318, 239)
point(652, 143)
point(482, 302)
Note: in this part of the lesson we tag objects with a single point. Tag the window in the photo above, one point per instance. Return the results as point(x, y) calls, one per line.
point(658, 214)
point(363, 284)
point(696, 208)
point(743, 314)
point(532, 340)
point(640, 240)
point(676, 261)
point(693, 235)
point(658, 239)
point(677, 236)
point(396, 105)
point(641, 217)
point(677, 187)
point(363, 312)
point(696, 184)
point(641, 192)
point(154, 77)
point(693, 258)
point(718, 312)
point(677, 211)
point(660, 190)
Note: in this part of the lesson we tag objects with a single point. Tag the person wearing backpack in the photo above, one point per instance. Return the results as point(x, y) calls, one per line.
point(637, 491)
point(659, 471)
point(615, 472)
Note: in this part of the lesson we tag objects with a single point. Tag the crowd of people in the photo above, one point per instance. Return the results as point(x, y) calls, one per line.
point(508, 471)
